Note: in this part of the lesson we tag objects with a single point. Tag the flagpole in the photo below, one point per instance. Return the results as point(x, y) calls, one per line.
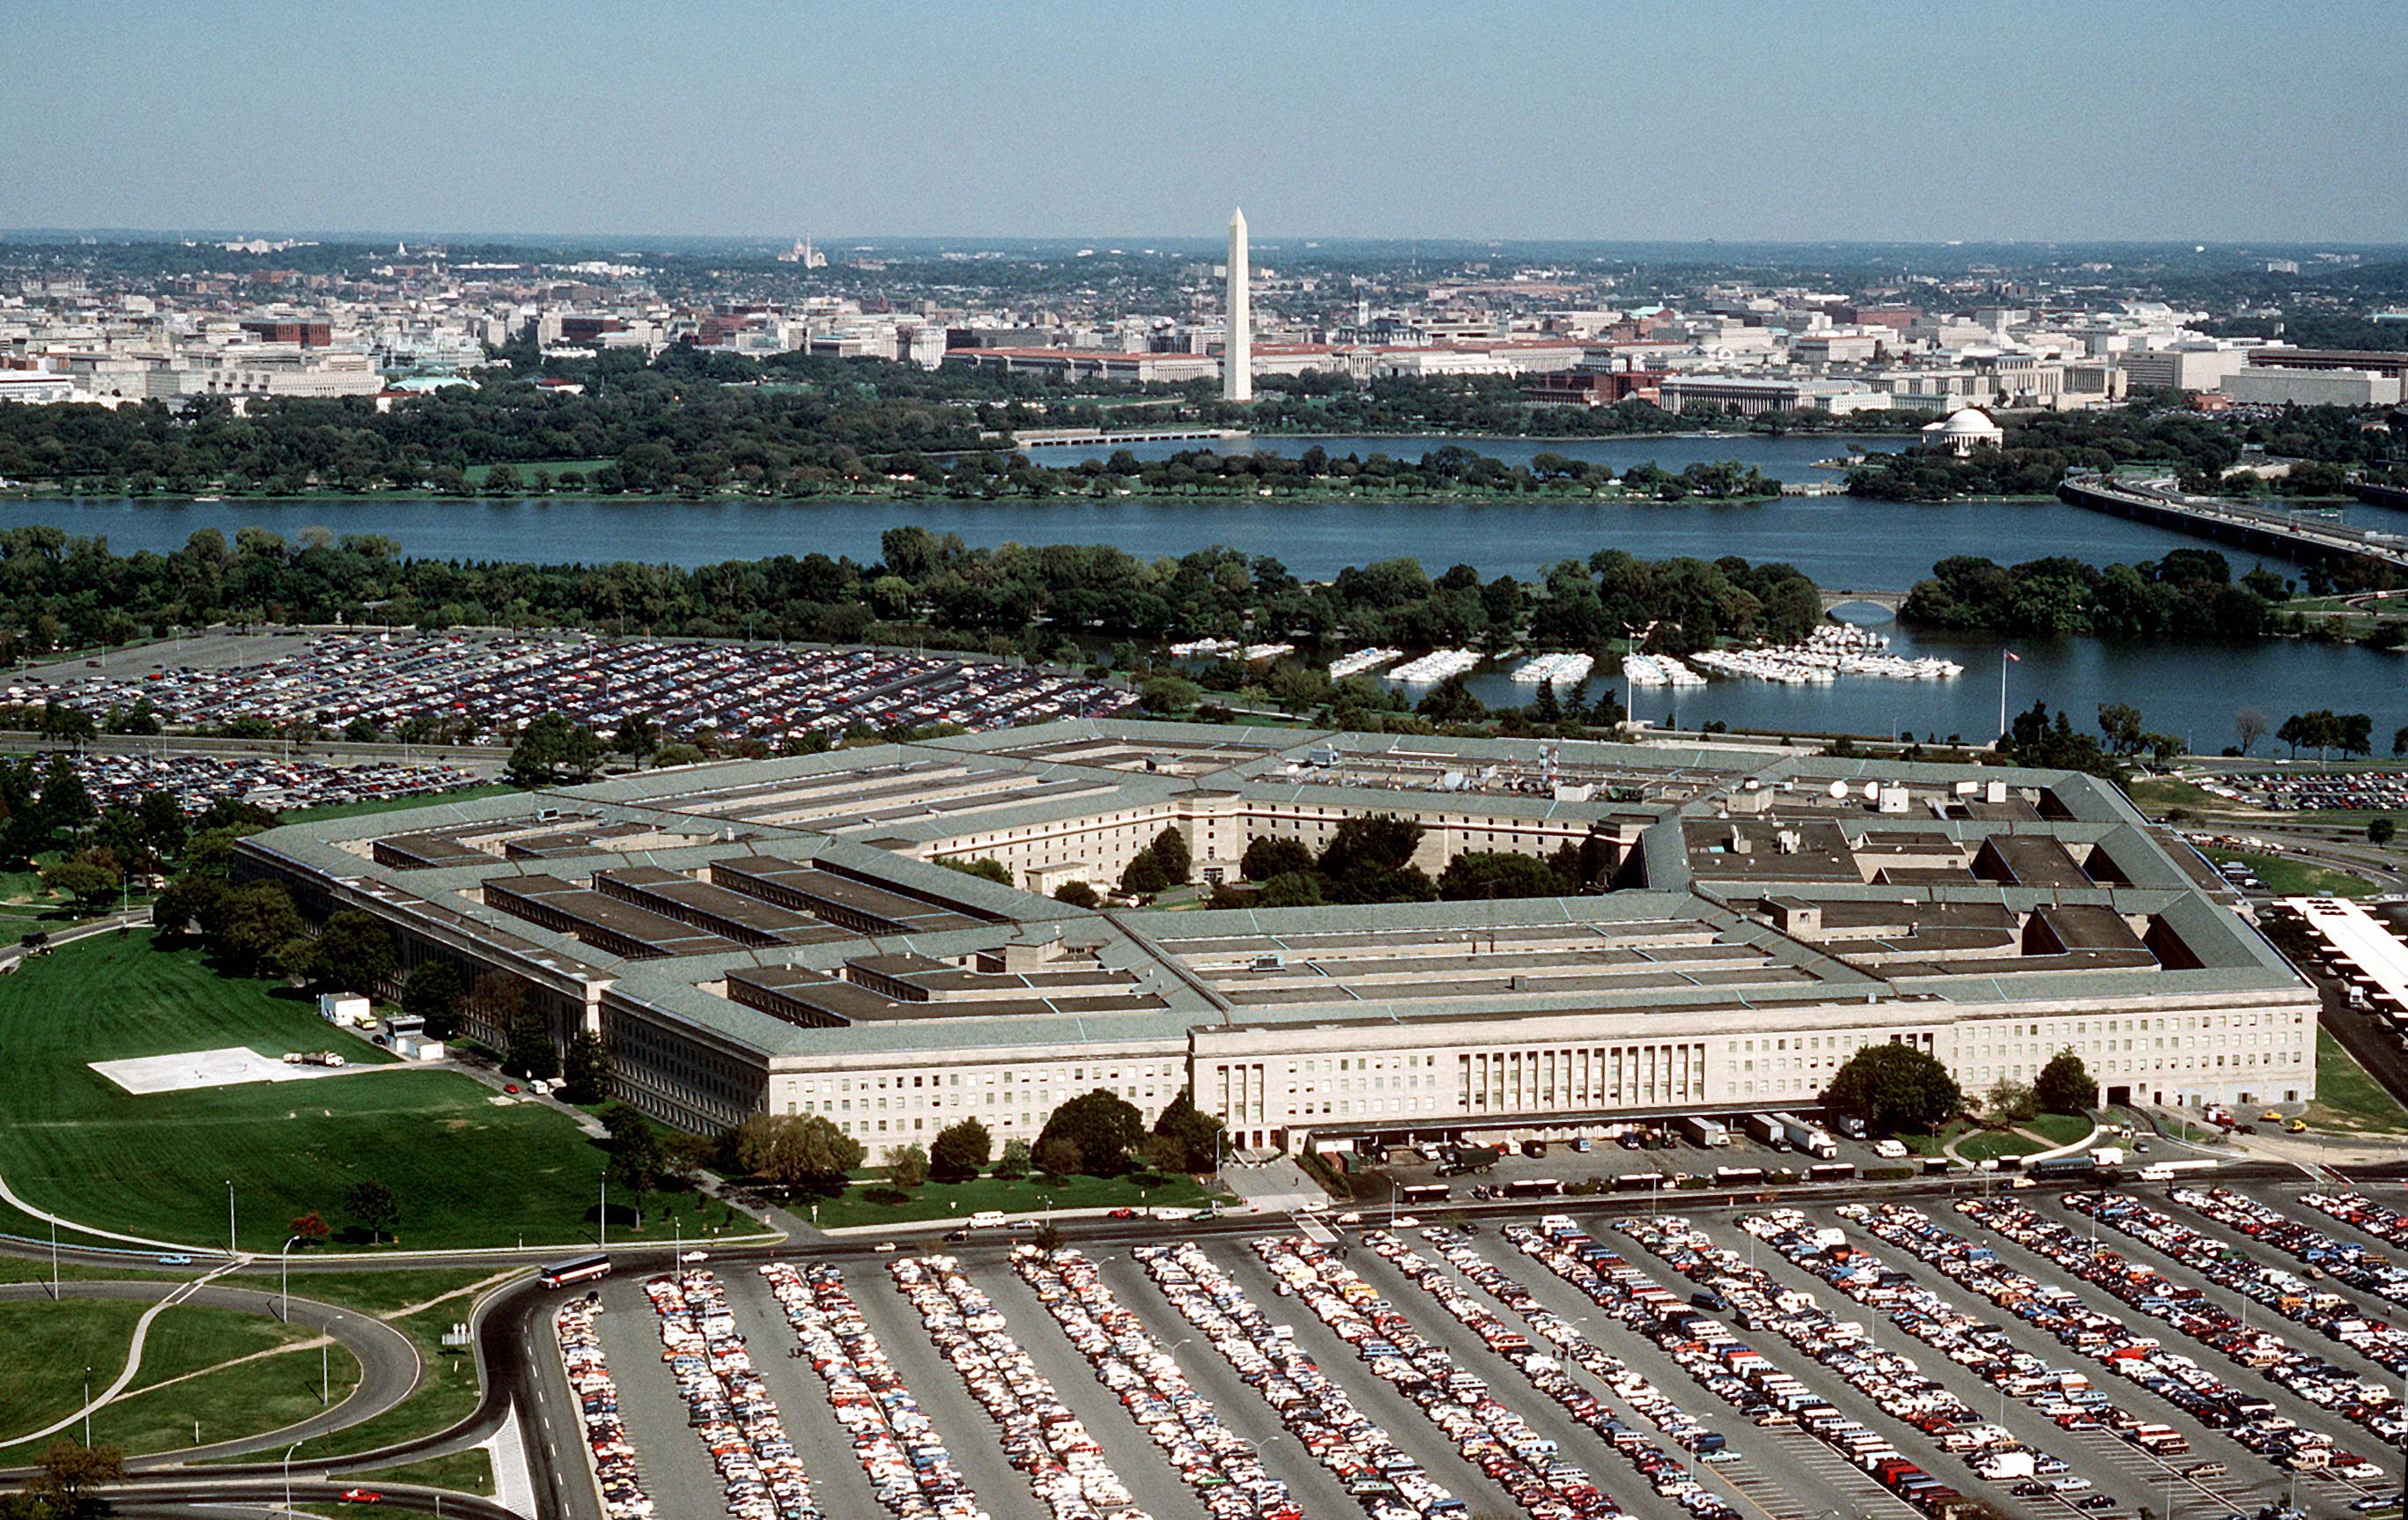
point(2002, 698)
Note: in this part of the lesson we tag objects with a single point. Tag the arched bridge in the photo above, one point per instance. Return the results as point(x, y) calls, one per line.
point(1889, 601)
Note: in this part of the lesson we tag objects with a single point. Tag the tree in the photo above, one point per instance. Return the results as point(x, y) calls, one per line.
point(586, 1069)
point(1078, 894)
point(1016, 1161)
point(986, 868)
point(255, 922)
point(1290, 889)
point(67, 1471)
point(353, 952)
point(1271, 856)
point(1483, 874)
point(2010, 1101)
point(1098, 1130)
point(2120, 722)
point(1452, 702)
point(960, 1151)
point(434, 991)
point(1170, 852)
point(372, 1206)
point(88, 883)
point(2379, 830)
point(1893, 1086)
point(1056, 1156)
point(907, 1166)
point(2249, 725)
point(2400, 741)
point(551, 748)
point(188, 902)
point(1194, 1136)
point(312, 1227)
point(2065, 1085)
point(1142, 877)
point(636, 1159)
point(797, 1149)
point(532, 1054)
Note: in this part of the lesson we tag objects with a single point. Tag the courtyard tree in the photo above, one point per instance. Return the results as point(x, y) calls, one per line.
point(2065, 1085)
point(1894, 1087)
point(960, 1151)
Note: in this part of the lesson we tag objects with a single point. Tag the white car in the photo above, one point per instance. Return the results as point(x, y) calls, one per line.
point(695, 1256)
point(1350, 1217)
point(1890, 1149)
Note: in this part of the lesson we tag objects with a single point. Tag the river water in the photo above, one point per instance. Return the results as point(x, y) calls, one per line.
point(2191, 691)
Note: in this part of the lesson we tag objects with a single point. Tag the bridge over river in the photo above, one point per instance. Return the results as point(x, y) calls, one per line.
point(2266, 529)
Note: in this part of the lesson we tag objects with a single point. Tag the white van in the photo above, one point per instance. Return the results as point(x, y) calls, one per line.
point(987, 1219)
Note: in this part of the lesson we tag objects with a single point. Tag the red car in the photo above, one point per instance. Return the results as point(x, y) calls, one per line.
point(362, 1496)
point(1124, 1214)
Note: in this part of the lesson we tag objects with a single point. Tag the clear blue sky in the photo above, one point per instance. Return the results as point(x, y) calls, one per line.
point(1586, 119)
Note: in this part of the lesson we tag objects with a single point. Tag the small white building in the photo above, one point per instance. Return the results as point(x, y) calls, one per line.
point(344, 1008)
point(417, 1048)
point(1965, 431)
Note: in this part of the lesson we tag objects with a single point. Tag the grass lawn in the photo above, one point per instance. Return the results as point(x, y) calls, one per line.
point(43, 1348)
point(2061, 1128)
point(445, 1396)
point(467, 1170)
point(1934, 1144)
point(1025, 1198)
point(2288, 878)
point(357, 810)
point(2348, 1101)
point(2156, 795)
point(476, 473)
point(464, 1473)
point(1991, 1145)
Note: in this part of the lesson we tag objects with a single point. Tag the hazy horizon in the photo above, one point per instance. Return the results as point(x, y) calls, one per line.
point(1851, 124)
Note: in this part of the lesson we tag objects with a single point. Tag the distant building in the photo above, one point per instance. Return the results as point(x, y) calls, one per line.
point(36, 387)
point(1962, 432)
point(1237, 348)
point(1600, 388)
point(2180, 370)
point(302, 333)
point(2272, 386)
point(1749, 396)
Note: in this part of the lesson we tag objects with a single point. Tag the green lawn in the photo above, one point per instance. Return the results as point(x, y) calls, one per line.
point(2061, 1128)
point(44, 1346)
point(2154, 796)
point(1022, 1198)
point(358, 809)
point(476, 473)
point(2349, 1101)
point(445, 1396)
point(464, 1473)
point(467, 1169)
point(2288, 878)
point(1991, 1145)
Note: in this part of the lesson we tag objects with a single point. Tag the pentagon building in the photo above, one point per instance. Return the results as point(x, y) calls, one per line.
point(783, 937)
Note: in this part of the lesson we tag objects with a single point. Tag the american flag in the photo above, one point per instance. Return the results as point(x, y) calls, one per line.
point(2012, 656)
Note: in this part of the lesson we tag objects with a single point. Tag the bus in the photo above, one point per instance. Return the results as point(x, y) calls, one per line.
point(583, 1270)
point(1632, 1181)
point(1532, 1187)
point(1739, 1176)
point(1425, 1193)
point(1831, 1171)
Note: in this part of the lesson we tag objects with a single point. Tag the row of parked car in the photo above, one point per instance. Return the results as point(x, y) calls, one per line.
point(2311, 791)
point(491, 687)
point(1722, 1363)
point(2346, 1262)
point(198, 780)
point(598, 1401)
point(1064, 1464)
point(2252, 1417)
point(1375, 1471)
point(894, 1439)
point(1993, 1452)
point(1669, 1473)
point(727, 1402)
point(1225, 1470)
point(2384, 1223)
point(2326, 1384)
point(1488, 1433)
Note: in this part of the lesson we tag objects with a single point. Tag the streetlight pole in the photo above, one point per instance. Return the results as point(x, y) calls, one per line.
point(285, 1272)
point(54, 1258)
point(288, 1471)
point(86, 1407)
point(231, 1251)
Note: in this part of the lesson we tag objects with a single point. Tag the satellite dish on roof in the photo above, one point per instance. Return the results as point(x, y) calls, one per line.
point(1838, 790)
point(1872, 791)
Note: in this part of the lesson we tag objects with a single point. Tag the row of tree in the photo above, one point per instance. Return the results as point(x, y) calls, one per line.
point(2188, 594)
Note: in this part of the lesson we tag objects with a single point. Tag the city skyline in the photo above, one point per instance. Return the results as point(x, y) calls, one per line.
point(1863, 125)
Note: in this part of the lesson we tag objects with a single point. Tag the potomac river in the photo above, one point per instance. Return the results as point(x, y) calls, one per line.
point(1841, 542)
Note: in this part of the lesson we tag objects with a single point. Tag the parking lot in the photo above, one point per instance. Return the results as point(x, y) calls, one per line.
point(2091, 1354)
point(484, 688)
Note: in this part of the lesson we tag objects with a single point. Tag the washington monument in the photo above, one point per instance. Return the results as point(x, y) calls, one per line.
point(1238, 351)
